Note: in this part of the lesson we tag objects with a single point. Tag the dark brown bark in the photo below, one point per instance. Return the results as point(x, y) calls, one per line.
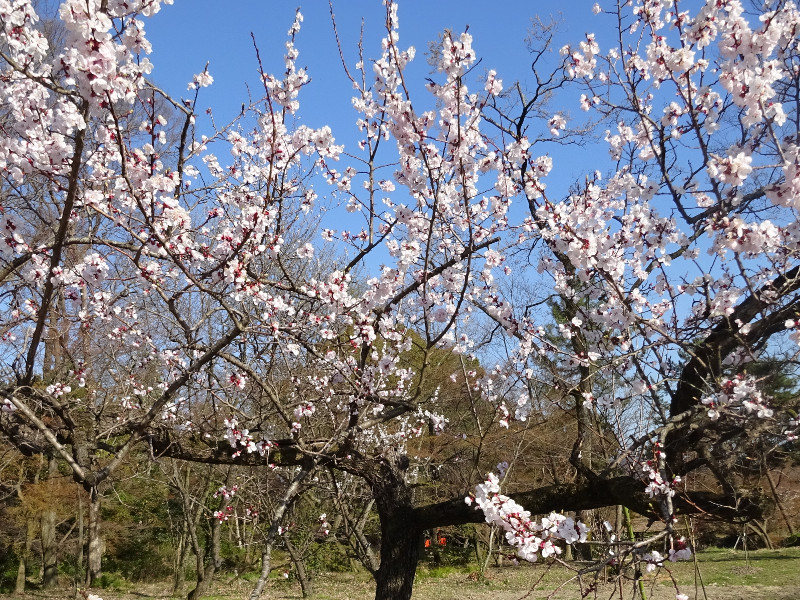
point(401, 535)
point(597, 493)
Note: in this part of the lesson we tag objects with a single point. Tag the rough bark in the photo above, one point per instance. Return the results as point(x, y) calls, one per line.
point(94, 558)
point(48, 534)
point(400, 536)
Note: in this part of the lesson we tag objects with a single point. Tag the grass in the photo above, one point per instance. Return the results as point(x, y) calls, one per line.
point(726, 574)
point(725, 567)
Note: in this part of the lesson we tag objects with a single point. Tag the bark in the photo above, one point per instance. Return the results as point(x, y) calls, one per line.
point(192, 510)
point(597, 493)
point(399, 553)
point(179, 578)
point(79, 553)
point(300, 567)
point(49, 554)
point(94, 559)
point(778, 503)
point(209, 560)
point(19, 585)
point(48, 535)
point(266, 565)
point(205, 574)
point(708, 356)
point(400, 537)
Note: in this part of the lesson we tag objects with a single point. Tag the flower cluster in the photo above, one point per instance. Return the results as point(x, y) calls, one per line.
point(740, 396)
point(530, 538)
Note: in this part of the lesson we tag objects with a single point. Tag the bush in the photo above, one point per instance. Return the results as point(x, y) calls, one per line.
point(9, 562)
point(111, 581)
point(791, 541)
point(330, 557)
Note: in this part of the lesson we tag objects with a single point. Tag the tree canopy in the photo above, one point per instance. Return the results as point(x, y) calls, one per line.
point(257, 294)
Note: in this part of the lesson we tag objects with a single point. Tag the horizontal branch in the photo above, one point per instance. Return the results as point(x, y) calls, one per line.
point(589, 495)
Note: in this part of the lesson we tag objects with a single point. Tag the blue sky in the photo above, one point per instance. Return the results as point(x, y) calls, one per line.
point(191, 32)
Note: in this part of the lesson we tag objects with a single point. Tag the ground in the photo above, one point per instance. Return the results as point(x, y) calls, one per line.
point(726, 575)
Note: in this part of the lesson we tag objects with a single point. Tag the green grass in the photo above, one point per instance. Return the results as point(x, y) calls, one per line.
point(727, 575)
point(725, 567)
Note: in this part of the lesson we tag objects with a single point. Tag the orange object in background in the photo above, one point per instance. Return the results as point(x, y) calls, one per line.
point(427, 543)
point(442, 541)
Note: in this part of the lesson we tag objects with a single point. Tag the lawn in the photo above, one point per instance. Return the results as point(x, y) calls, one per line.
point(726, 575)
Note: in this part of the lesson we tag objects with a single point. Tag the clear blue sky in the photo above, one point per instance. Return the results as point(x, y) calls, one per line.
point(191, 32)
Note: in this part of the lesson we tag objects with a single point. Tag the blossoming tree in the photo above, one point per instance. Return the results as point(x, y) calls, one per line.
point(168, 286)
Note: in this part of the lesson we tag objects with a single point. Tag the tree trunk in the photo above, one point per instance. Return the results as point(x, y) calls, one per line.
point(19, 585)
point(48, 534)
point(779, 504)
point(79, 554)
point(400, 540)
point(49, 554)
point(277, 517)
point(205, 573)
point(584, 551)
point(94, 559)
point(179, 578)
point(300, 566)
point(266, 564)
